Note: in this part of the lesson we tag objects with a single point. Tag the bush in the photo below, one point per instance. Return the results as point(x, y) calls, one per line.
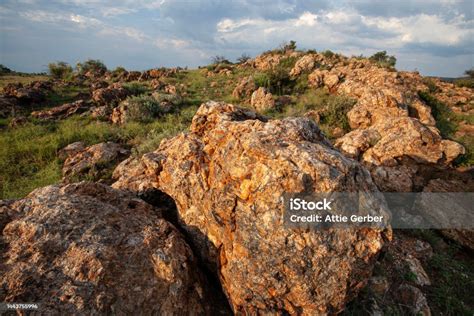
point(432, 87)
point(95, 66)
point(59, 70)
point(242, 59)
point(445, 118)
point(465, 82)
point(4, 70)
point(383, 60)
point(328, 54)
point(135, 88)
point(286, 47)
point(218, 59)
point(470, 73)
point(145, 108)
point(335, 114)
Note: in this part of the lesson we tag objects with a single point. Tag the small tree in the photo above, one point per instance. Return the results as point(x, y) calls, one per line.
point(383, 60)
point(219, 59)
point(4, 70)
point(470, 72)
point(97, 67)
point(59, 70)
point(242, 59)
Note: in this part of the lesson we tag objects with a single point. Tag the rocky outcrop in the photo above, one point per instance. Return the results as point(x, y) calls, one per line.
point(305, 64)
point(62, 111)
point(8, 106)
point(245, 88)
point(91, 162)
point(26, 94)
point(262, 100)
point(227, 177)
point(111, 95)
point(87, 249)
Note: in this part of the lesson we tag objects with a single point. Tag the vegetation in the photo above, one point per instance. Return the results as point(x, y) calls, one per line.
point(383, 60)
point(60, 70)
point(145, 108)
point(242, 59)
point(94, 66)
point(4, 70)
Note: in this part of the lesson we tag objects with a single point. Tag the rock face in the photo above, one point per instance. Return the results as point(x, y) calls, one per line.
point(91, 161)
point(62, 111)
point(30, 93)
point(88, 249)
point(262, 100)
point(227, 177)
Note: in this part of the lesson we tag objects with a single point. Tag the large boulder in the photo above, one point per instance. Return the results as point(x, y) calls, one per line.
point(87, 249)
point(227, 177)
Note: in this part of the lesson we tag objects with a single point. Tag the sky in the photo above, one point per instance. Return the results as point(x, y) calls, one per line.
point(435, 37)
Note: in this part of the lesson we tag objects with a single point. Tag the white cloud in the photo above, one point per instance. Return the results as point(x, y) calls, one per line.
point(306, 19)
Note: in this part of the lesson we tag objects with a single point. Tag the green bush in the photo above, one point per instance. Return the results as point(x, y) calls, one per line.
point(383, 60)
point(328, 54)
point(335, 114)
point(465, 82)
point(242, 59)
point(59, 70)
point(135, 88)
point(4, 70)
point(145, 108)
point(95, 66)
point(470, 73)
point(445, 118)
point(432, 87)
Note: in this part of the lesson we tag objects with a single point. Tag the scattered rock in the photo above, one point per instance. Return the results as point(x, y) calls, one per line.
point(304, 64)
point(415, 267)
point(62, 111)
point(88, 249)
point(170, 89)
point(18, 121)
point(8, 106)
point(93, 161)
point(227, 177)
point(262, 100)
point(244, 89)
point(110, 95)
point(71, 150)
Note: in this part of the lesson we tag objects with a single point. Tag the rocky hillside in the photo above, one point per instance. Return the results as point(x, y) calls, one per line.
point(160, 191)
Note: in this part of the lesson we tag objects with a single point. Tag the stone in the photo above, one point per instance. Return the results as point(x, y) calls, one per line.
point(62, 111)
point(111, 95)
point(412, 298)
point(71, 150)
point(227, 177)
point(262, 100)
point(88, 249)
point(91, 161)
point(245, 88)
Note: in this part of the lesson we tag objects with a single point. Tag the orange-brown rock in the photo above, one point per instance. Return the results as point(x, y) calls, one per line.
point(244, 89)
point(262, 100)
point(227, 177)
point(87, 249)
point(110, 95)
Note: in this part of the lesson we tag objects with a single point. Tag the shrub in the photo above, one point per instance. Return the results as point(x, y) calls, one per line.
point(144, 108)
point(432, 87)
point(335, 114)
point(328, 54)
point(218, 59)
point(135, 88)
point(261, 80)
point(242, 59)
point(383, 60)
point(95, 66)
point(4, 70)
point(286, 47)
point(470, 73)
point(465, 82)
point(445, 118)
point(59, 70)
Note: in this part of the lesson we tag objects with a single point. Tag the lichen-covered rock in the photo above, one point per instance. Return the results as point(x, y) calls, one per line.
point(227, 177)
point(262, 100)
point(304, 64)
point(87, 249)
point(92, 161)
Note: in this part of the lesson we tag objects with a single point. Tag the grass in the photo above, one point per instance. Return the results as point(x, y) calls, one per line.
point(23, 79)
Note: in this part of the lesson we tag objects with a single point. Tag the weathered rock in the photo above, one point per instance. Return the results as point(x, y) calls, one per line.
point(412, 298)
point(304, 64)
point(262, 100)
point(71, 150)
point(110, 95)
point(62, 111)
point(227, 177)
point(170, 89)
point(244, 89)
point(99, 84)
point(8, 106)
point(31, 93)
point(267, 61)
point(18, 121)
point(137, 110)
point(87, 249)
point(93, 161)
